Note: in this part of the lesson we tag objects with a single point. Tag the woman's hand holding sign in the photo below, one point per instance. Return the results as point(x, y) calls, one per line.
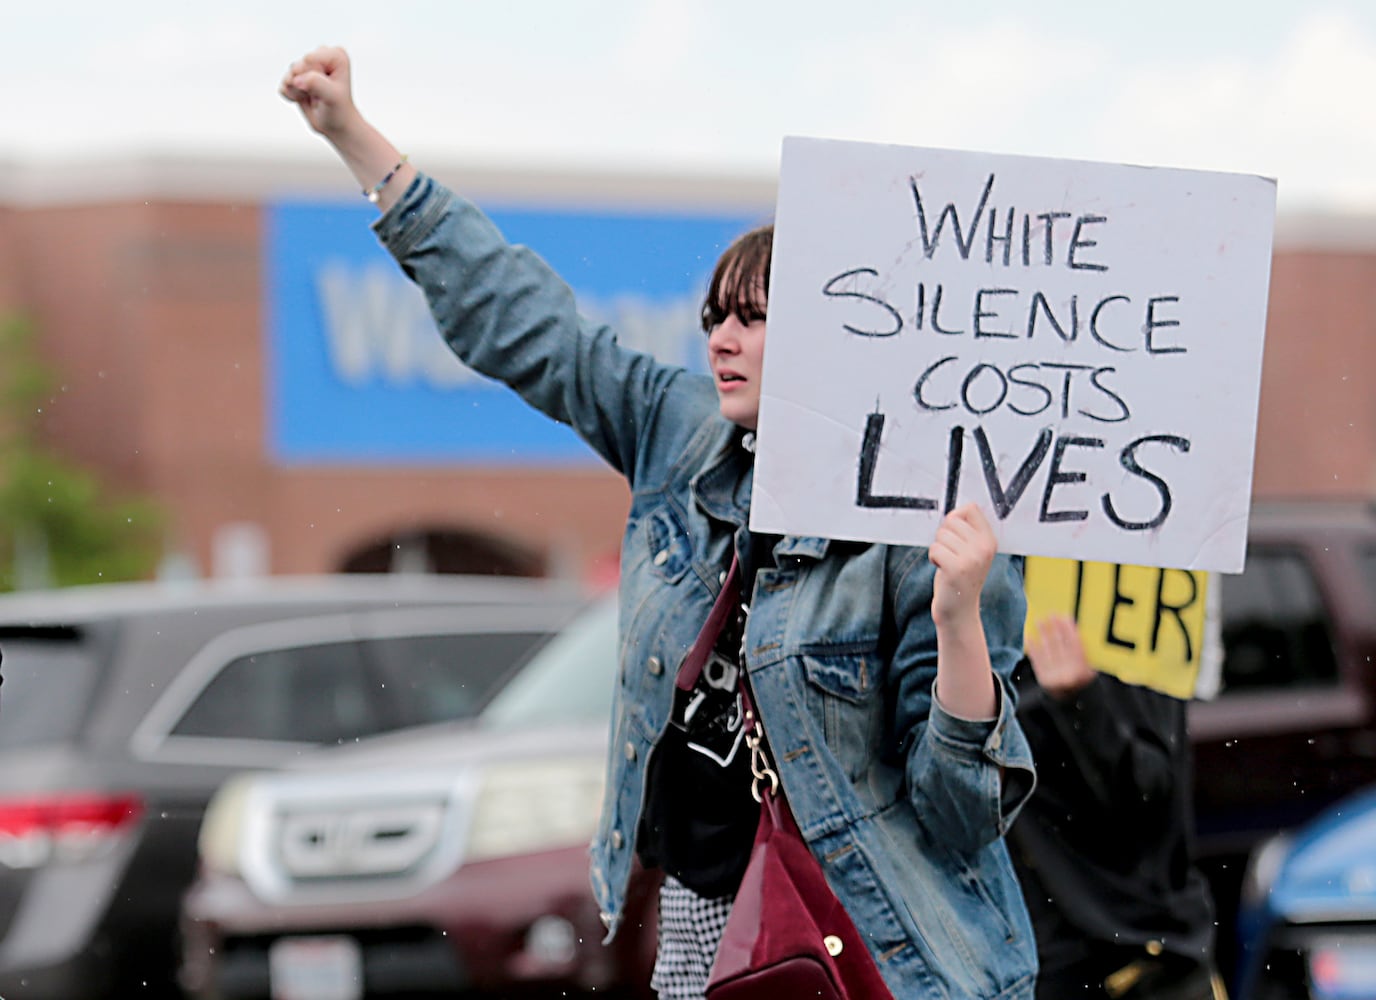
point(962, 552)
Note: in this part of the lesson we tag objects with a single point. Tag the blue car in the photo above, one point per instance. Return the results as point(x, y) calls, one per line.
point(1307, 926)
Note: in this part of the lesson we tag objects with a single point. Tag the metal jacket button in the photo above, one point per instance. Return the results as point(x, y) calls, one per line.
point(654, 665)
point(661, 557)
point(630, 751)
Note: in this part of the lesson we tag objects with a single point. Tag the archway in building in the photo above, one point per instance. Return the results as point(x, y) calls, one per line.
point(437, 550)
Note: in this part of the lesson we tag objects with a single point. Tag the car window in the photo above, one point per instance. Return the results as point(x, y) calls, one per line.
point(435, 678)
point(569, 680)
point(1366, 558)
point(309, 694)
point(49, 677)
point(1276, 634)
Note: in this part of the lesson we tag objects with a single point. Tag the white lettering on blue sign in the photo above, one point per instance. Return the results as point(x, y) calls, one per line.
point(378, 329)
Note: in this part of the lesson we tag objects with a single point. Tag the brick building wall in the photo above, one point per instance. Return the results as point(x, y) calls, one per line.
point(1316, 430)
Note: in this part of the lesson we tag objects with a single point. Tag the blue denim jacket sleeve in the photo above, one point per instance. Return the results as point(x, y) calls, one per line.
point(967, 780)
point(507, 315)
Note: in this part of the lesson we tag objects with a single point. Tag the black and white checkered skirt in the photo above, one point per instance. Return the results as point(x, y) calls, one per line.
point(690, 928)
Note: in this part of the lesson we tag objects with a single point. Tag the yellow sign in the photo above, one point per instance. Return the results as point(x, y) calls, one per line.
point(1142, 624)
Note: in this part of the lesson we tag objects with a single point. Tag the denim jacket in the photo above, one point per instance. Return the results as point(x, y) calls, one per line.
point(904, 805)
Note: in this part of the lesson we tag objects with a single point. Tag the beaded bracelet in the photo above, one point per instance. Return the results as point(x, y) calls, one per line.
point(376, 191)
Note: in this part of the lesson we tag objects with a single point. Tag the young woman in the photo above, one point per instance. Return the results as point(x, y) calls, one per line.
point(880, 672)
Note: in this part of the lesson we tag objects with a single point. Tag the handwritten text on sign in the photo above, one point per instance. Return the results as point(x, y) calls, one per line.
point(1074, 346)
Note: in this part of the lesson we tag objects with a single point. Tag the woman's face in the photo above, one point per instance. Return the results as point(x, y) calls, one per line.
point(735, 352)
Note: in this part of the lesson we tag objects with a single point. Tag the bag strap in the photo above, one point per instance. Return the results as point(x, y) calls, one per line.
point(728, 599)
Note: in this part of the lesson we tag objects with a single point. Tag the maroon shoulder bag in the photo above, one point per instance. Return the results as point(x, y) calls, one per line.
point(787, 934)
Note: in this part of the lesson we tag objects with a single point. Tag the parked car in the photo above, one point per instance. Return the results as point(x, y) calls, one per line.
point(1293, 729)
point(125, 707)
point(1308, 925)
point(426, 863)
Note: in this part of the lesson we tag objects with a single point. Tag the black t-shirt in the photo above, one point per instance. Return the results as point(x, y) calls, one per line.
point(700, 818)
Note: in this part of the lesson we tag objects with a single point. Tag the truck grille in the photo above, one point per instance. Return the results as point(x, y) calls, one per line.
point(368, 841)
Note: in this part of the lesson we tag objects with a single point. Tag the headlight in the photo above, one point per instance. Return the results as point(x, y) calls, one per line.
point(523, 808)
point(222, 828)
point(1262, 869)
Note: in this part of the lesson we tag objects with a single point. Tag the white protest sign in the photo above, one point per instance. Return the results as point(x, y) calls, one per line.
point(1074, 346)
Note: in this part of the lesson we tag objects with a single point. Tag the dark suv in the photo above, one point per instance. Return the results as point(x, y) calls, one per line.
point(1293, 729)
point(124, 707)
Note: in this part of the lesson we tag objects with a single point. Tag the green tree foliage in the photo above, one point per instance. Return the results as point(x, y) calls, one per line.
point(58, 524)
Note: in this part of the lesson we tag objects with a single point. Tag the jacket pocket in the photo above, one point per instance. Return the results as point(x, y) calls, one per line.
point(667, 541)
point(842, 696)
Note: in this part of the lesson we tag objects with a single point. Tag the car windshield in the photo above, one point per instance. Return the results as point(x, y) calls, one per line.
point(49, 676)
point(569, 680)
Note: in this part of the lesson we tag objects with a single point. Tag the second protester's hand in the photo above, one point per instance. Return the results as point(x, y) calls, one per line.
point(1058, 657)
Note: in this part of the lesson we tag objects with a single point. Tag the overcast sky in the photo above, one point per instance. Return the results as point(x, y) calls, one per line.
point(1284, 88)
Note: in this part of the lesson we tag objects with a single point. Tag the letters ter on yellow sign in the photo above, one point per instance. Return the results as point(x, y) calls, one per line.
point(1142, 624)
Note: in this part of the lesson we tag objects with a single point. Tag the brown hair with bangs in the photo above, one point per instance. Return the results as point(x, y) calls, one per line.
point(740, 282)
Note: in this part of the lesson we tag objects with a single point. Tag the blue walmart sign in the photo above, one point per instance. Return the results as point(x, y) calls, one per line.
point(358, 374)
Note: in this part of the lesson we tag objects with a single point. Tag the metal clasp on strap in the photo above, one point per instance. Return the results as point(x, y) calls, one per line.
point(760, 766)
